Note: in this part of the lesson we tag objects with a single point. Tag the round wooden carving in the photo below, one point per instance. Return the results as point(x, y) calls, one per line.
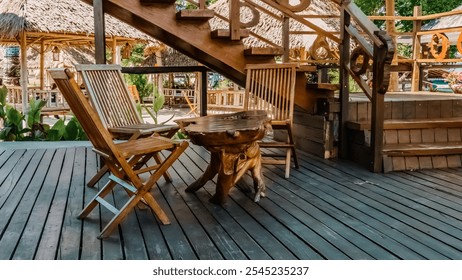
point(438, 40)
point(359, 61)
point(255, 16)
point(459, 43)
point(320, 49)
point(295, 8)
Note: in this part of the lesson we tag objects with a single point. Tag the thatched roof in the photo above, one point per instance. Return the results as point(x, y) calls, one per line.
point(168, 55)
point(57, 17)
point(271, 28)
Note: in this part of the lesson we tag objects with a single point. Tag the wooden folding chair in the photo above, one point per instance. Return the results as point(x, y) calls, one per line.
point(271, 87)
point(116, 107)
point(125, 160)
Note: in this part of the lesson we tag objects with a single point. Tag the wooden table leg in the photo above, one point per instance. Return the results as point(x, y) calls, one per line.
point(210, 172)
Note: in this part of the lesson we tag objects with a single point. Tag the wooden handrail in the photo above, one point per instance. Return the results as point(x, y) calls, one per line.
point(379, 48)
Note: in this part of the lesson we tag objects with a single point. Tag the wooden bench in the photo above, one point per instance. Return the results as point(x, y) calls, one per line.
point(411, 144)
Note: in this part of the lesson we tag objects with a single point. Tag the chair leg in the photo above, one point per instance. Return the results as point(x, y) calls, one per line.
point(292, 143)
point(94, 202)
point(156, 208)
point(167, 176)
point(98, 176)
point(288, 162)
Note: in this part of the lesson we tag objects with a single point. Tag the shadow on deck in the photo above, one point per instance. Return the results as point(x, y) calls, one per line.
point(326, 210)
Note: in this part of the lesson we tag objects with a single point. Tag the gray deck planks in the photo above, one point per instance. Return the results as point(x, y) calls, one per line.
point(326, 209)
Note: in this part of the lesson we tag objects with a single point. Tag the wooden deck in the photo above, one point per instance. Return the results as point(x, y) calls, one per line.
point(326, 210)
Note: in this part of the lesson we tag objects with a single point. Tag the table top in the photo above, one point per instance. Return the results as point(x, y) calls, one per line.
point(226, 129)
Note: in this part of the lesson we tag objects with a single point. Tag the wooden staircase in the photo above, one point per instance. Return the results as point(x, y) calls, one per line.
point(189, 32)
point(418, 134)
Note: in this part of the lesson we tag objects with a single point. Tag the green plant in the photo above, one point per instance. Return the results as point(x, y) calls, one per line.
point(72, 131)
point(158, 100)
point(13, 127)
point(14, 130)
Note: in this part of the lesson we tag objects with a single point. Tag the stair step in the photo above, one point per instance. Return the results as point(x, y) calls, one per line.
point(323, 86)
point(423, 149)
point(263, 51)
point(147, 2)
point(199, 15)
point(307, 68)
point(409, 123)
point(225, 33)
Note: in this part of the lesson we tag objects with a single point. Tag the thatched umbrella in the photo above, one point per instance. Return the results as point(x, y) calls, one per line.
point(49, 23)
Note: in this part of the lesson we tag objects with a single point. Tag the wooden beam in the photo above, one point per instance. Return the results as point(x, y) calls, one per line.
point(24, 73)
point(285, 39)
point(344, 82)
point(415, 81)
point(390, 25)
point(100, 37)
point(42, 65)
point(234, 20)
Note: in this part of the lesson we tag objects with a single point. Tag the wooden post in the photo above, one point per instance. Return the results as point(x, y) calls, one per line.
point(390, 24)
point(24, 73)
point(285, 39)
point(100, 38)
point(115, 51)
point(415, 82)
point(377, 115)
point(234, 20)
point(203, 97)
point(344, 83)
point(42, 65)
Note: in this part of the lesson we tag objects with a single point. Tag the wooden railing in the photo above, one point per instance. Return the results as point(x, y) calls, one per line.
point(376, 48)
point(281, 11)
point(430, 48)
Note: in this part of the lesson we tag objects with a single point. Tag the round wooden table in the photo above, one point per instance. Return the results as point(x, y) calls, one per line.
point(232, 142)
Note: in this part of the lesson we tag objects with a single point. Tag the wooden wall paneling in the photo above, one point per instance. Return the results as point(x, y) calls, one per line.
point(387, 164)
point(412, 163)
point(439, 162)
point(391, 136)
point(353, 112)
point(398, 163)
point(457, 108)
point(425, 162)
point(409, 110)
point(454, 134)
point(428, 135)
point(362, 111)
point(421, 110)
point(415, 135)
point(454, 161)
point(397, 110)
point(404, 136)
point(387, 110)
point(446, 108)
point(441, 134)
point(434, 109)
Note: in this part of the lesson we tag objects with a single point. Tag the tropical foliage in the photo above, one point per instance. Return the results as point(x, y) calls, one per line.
point(14, 128)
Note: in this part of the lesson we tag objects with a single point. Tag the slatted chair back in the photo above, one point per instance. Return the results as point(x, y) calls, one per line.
point(84, 112)
point(271, 87)
point(109, 94)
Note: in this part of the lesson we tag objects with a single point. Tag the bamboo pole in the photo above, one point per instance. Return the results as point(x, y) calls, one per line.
point(23, 79)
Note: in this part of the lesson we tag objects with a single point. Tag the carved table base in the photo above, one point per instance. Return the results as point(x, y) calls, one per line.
point(231, 162)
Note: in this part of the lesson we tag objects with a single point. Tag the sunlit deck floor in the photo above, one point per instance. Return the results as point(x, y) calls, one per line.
point(326, 210)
